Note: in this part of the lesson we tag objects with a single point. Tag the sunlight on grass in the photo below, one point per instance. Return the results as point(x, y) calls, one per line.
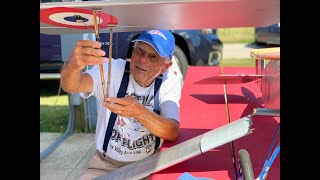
point(54, 113)
point(54, 100)
point(236, 35)
point(232, 62)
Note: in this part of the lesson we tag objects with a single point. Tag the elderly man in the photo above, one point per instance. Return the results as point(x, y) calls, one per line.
point(142, 109)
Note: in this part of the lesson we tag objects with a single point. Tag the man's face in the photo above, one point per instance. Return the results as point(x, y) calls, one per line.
point(146, 64)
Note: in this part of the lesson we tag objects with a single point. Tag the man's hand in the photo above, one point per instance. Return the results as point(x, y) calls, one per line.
point(127, 106)
point(86, 52)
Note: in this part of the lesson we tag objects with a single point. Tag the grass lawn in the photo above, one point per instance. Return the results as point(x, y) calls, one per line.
point(246, 62)
point(54, 114)
point(53, 109)
point(236, 35)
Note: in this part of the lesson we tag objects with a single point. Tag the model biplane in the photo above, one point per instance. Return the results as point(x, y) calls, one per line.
point(218, 106)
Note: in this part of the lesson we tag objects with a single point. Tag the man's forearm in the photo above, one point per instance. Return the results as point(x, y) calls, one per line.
point(128, 106)
point(164, 128)
point(70, 78)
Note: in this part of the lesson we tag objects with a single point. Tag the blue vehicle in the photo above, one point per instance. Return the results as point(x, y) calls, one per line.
point(193, 47)
point(269, 35)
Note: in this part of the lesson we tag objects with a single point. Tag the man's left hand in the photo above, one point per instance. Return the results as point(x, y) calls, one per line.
point(127, 106)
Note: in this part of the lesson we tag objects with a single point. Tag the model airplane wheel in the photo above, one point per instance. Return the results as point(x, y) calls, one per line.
point(245, 164)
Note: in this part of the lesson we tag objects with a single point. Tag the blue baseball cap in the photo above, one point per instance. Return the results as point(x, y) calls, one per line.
point(161, 40)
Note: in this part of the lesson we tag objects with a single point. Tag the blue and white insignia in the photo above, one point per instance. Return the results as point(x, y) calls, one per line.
point(157, 32)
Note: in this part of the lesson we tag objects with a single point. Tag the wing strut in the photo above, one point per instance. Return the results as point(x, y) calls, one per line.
point(96, 31)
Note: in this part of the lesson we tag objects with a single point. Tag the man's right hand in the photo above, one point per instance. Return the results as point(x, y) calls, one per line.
point(86, 52)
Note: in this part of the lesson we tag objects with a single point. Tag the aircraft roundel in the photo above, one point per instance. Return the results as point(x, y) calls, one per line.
point(75, 18)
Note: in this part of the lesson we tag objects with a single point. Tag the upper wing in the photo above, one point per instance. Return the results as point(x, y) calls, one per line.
point(137, 15)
